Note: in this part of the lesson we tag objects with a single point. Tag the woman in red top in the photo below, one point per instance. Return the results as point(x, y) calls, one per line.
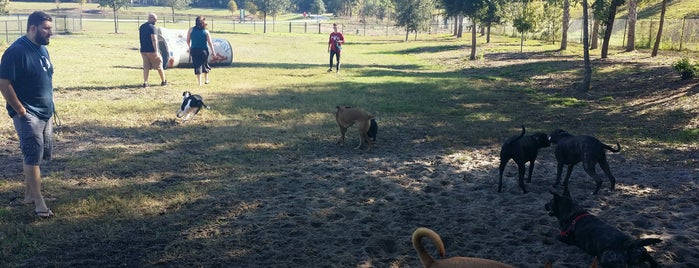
point(335, 47)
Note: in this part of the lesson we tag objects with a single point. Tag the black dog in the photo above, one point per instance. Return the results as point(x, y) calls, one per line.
point(373, 130)
point(522, 149)
point(571, 150)
point(191, 104)
point(611, 247)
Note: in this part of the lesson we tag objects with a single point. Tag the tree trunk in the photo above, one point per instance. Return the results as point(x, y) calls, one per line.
point(116, 22)
point(566, 24)
point(264, 22)
point(456, 25)
point(460, 30)
point(487, 36)
point(608, 30)
point(474, 32)
point(173, 13)
point(631, 35)
point(660, 29)
point(595, 34)
point(407, 33)
point(587, 72)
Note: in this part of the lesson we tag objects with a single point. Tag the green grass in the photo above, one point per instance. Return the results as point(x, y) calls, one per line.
point(121, 195)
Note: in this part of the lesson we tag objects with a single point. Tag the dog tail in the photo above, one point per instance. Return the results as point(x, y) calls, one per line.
point(641, 242)
point(618, 148)
point(426, 259)
point(517, 138)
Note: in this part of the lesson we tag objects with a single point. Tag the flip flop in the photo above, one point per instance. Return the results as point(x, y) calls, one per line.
point(44, 214)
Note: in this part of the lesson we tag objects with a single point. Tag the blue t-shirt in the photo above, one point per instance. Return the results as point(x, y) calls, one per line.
point(198, 38)
point(144, 33)
point(28, 68)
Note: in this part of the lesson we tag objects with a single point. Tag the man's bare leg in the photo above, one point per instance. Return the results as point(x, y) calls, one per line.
point(145, 75)
point(32, 179)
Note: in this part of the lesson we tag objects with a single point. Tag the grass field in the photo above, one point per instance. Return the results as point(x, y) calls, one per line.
point(132, 186)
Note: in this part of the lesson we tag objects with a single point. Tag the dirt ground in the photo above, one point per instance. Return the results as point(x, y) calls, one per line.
point(339, 207)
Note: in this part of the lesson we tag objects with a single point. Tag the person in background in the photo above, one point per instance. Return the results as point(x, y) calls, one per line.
point(26, 83)
point(335, 47)
point(199, 42)
point(150, 52)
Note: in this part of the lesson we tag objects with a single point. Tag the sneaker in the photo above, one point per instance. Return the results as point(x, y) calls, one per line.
point(330, 70)
point(207, 81)
point(145, 85)
point(164, 83)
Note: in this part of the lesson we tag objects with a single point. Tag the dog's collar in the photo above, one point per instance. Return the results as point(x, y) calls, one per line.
point(570, 228)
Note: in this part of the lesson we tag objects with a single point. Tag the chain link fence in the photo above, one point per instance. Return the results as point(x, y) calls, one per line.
point(678, 34)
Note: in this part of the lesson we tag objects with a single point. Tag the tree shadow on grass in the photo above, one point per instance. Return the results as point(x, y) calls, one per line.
point(267, 185)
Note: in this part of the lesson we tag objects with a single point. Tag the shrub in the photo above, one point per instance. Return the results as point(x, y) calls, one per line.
point(686, 69)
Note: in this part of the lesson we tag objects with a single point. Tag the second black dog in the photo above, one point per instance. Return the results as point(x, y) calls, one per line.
point(373, 130)
point(522, 149)
point(571, 150)
point(612, 248)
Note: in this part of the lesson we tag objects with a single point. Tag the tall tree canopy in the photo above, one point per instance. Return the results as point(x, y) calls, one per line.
point(4, 4)
point(115, 5)
point(414, 15)
point(473, 9)
point(176, 5)
point(270, 7)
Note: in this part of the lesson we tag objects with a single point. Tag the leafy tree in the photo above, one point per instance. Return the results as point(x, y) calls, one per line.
point(4, 4)
point(115, 5)
point(176, 4)
point(317, 7)
point(233, 8)
point(470, 8)
point(414, 15)
point(270, 7)
point(211, 3)
point(342, 7)
point(492, 14)
point(525, 22)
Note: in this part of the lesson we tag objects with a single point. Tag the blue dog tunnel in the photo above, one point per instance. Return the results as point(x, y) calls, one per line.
point(173, 44)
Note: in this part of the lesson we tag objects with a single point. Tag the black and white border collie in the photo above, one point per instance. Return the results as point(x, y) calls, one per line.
point(191, 104)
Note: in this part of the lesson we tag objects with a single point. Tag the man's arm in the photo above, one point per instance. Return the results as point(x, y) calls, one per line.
point(154, 39)
point(8, 92)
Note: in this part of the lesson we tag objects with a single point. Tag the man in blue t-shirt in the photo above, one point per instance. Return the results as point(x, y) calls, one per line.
point(150, 52)
point(26, 75)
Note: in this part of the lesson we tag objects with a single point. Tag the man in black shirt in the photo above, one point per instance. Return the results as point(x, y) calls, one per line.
point(150, 52)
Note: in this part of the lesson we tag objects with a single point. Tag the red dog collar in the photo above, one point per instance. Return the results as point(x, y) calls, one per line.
point(572, 224)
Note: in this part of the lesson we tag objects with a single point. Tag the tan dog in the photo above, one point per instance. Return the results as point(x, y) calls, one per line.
point(347, 116)
point(454, 262)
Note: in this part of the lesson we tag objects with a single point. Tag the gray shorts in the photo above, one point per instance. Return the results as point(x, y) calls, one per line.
point(35, 138)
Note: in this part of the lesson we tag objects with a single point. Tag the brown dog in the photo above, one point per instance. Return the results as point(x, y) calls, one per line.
point(347, 116)
point(454, 262)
